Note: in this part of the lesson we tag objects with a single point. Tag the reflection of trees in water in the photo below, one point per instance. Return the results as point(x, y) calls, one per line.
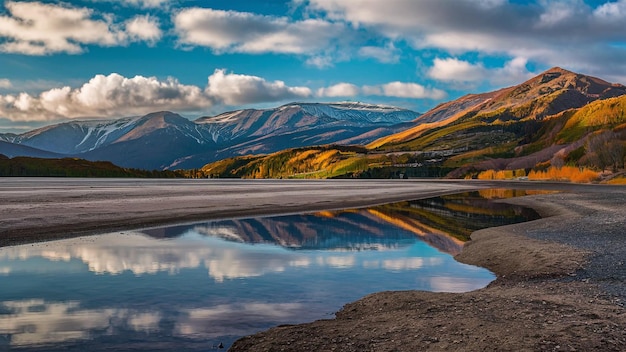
point(461, 214)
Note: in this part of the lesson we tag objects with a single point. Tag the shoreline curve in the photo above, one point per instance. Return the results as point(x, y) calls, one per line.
point(560, 280)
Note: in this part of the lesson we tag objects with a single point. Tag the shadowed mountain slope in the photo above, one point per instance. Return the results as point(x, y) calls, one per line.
point(556, 118)
point(164, 140)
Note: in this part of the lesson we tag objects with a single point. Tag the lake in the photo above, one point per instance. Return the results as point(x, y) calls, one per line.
point(201, 286)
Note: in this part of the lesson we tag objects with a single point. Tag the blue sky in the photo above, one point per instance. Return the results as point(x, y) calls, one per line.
point(62, 60)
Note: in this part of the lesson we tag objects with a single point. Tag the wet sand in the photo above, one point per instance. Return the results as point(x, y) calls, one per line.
point(560, 282)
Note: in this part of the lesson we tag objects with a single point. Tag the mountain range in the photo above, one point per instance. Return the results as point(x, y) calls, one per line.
point(558, 117)
point(165, 140)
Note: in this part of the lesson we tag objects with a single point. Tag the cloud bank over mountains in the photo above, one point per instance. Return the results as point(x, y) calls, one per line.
point(113, 94)
point(452, 46)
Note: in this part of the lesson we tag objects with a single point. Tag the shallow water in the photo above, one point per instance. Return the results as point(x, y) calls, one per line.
point(193, 287)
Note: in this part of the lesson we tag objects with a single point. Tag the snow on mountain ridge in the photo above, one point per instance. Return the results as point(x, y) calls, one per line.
point(162, 139)
point(104, 129)
point(360, 112)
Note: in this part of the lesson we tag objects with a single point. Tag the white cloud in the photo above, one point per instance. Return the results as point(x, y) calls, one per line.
point(611, 11)
point(339, 90)
point(144, 28)
point(115, 95)
point(411, 90)
point(35, 28)
point(567, 33)
point(460, 71)
point(557, 12)
point(456, 70)
point(387, 55)
point(236, 89)
point(513, 72)
point(140, 3)
point(244, 32)
point(391, 89)
point(404, 90)
point(5, 83)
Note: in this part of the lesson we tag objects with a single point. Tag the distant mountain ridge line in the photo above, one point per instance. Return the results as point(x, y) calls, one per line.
point(556, 118)
point(553, 116)
point(139, 141)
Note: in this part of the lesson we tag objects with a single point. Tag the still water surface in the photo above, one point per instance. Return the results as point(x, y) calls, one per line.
point(193, 287)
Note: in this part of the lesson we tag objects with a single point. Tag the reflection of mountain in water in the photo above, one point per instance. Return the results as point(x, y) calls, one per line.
point(443, 222)
point(347, 230)
point(461, 214)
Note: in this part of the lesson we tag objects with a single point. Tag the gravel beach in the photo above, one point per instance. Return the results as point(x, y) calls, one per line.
point(560, 280)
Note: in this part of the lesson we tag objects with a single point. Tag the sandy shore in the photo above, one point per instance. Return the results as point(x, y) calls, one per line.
point(560, 287)
point(560, 280)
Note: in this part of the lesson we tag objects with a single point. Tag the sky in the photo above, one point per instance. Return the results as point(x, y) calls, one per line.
point(88, 59)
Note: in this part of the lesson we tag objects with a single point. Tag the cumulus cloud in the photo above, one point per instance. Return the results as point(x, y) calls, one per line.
point(235, 89)
point(244, 32)
point(456, 70)
point(5, 83)
point(460, 71)
point(140, 3)
point(339, 90)
point(558, 12)
point(565, 33)
point(34, 28)
point(144, 28)
point(103, 96)
point(404, 90)
point(391, 89)
point(611, 11)
point(115, 95)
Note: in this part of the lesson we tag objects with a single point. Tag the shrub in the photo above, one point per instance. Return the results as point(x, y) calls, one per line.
point(565, 173)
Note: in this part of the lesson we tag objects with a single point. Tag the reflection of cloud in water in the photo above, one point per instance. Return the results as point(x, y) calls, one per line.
point(337, 261)
point(235, 319)
point(410, 263)
point(232, 264)
point(56, 256)
point(114, 254)
point(35, 322)
point(371, 264)
point(300, 263)
point(403, 263)
point(455, 284)
point(144, 321)
point(141, 255)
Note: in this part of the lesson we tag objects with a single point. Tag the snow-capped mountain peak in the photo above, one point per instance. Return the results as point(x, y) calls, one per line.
point(164, 139)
